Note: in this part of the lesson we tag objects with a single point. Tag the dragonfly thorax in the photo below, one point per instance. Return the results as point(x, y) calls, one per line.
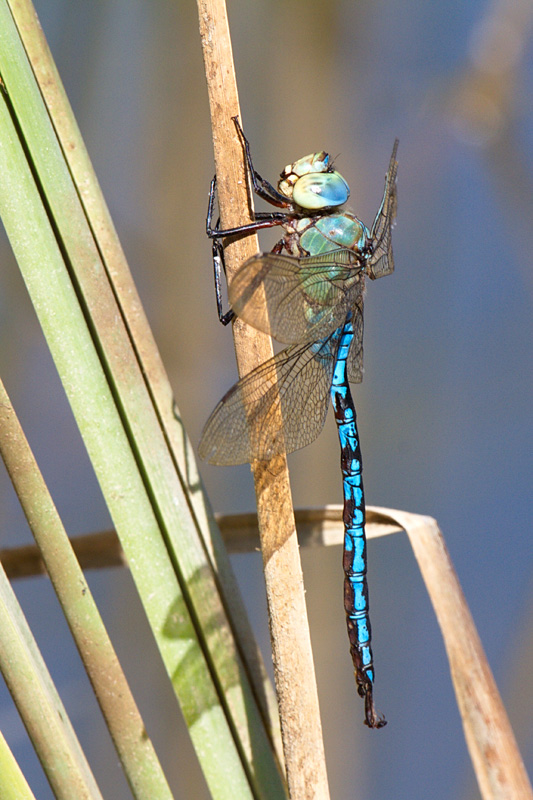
point(324, 234)
point(312, 183)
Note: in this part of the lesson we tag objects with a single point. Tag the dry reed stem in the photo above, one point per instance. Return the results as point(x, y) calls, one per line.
point(499, 768)
point(291, 644)
point(317, 527)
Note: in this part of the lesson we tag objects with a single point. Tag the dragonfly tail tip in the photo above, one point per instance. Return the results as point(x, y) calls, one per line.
point(372, 718)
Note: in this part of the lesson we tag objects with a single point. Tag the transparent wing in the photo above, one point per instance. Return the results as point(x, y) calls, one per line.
point(382, 262)
point(294, 384)
point(296, 300)
point(355, 353)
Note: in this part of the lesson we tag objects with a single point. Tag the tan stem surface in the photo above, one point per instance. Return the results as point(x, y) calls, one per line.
point(291, 643)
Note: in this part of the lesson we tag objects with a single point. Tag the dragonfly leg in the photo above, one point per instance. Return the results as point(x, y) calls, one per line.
point(209, 218)
point(219, 267)
point(278, 247)
point(261, 187)
point(262, 220)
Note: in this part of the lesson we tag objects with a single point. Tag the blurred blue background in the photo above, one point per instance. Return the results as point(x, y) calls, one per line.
point(445, 410)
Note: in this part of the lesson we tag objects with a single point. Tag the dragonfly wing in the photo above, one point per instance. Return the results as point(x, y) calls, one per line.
point(355, 353)
point(293, 386)
point(382, 262)
point(296, 300)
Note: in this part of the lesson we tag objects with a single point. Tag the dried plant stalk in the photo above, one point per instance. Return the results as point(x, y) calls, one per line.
point(291, 644)
point(499, 768)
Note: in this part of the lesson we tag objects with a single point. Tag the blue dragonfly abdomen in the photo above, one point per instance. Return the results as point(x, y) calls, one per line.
point(356, 604)
point(338, 232)
point(310, 298)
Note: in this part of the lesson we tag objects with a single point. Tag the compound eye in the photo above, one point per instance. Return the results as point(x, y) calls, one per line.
point(320, 190)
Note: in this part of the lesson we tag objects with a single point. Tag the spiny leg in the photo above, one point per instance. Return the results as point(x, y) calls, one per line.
point(262, 219)
point(261, 187)
point(219, 263)
point(219, 267)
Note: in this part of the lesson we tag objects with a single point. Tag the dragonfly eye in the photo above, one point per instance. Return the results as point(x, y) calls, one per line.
point(320, 190)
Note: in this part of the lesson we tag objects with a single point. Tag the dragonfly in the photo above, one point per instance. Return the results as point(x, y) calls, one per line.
point(307, 292)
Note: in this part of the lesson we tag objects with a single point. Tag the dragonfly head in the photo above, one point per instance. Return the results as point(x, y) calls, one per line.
point(312, 183)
